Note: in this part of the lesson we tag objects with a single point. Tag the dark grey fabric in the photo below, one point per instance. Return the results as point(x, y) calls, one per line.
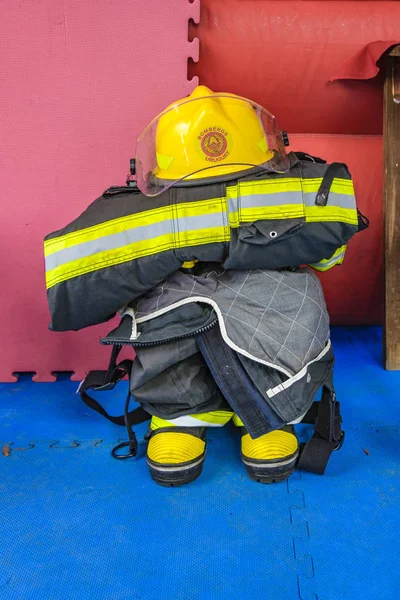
point(172, 380)
point(293, 402)
point(116, 205)
point(278, 318)
point(232, 379)
point(95, 297)
point(308, 170)
point(199, 432)
point(183, 321)
point(297, 242)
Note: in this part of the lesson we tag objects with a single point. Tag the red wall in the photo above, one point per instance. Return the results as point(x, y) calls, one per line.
point(282, 55)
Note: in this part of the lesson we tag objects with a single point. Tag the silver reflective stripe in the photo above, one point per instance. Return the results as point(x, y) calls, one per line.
point(193, 223)
point(279, 198)
point(233, 205)
point(162, 469)
point(275, 199)
point(226, 338)
point(332, 261)
point(108, 242)
point(129, 236)
point(269, 464)
point(189, 421)
point(289, 382)
point(334, 199)
point(299, 419)
point(205, 221)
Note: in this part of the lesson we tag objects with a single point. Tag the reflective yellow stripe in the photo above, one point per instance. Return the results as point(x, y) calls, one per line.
point(339, 186)
point(149, 217)
point(290, 184)
point(283, 187)
point(283, 211)
point(325, 214)
point(158, 423)
point(201, 236)
point(133, 251)
point(271, 186)
point(212, 206)
point(216, 418)
point(191, 224)
point(107, 258)
point(327, 263)
point(312, 214)
point(109, 227)
point(237, 421)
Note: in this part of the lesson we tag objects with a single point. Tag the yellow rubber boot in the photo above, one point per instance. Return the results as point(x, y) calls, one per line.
point(272, 457)
point(177, 447)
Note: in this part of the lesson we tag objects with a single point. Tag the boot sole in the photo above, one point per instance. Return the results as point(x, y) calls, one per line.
point(175, 475)
point(273, 472)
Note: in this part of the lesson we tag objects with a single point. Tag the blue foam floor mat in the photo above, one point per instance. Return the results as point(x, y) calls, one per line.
point(77, 524)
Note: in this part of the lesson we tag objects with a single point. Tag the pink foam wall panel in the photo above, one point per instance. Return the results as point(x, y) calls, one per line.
point(80, 80)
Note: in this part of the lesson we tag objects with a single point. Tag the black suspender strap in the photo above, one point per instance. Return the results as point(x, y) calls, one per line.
point(321, 198)
point(101, 381)
point(328, 435)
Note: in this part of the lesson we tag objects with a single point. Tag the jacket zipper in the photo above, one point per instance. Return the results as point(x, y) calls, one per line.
point(159, 343)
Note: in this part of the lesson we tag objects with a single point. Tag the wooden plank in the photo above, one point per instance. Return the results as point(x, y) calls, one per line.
point(391, 211)
point(395, 51)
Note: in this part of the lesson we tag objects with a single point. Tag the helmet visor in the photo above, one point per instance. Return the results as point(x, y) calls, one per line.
point(206, 137)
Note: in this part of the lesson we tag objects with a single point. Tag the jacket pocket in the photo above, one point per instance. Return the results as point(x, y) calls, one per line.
point(266, 244)
point(266, 232)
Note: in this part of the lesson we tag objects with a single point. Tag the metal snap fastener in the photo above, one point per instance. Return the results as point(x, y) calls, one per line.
point(273, 234)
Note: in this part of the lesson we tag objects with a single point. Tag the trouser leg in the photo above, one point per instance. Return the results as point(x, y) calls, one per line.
point(172, 381)
point(173, 384)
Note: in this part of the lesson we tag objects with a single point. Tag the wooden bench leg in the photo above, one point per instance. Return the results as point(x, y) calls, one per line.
point(391, 209)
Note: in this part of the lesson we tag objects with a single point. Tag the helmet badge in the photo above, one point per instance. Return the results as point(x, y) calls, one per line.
point(214, 143)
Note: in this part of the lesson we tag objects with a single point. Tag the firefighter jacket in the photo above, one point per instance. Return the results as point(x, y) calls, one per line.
point(125, 243)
